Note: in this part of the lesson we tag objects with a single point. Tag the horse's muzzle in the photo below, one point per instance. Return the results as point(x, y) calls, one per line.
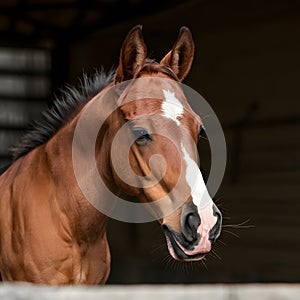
point(199, 231)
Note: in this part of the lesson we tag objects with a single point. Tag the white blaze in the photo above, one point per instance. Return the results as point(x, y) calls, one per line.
point(195, 181)
point(172, 107)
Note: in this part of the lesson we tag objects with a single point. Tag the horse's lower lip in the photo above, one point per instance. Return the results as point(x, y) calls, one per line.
point(179, 250)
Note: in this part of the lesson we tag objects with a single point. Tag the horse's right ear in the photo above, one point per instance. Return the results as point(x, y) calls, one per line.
point(180, 58)
point(132, 55)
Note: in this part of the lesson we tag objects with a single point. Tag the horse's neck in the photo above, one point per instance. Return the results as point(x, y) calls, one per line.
point(85, 219)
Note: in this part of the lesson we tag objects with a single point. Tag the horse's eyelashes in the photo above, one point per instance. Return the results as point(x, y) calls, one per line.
point(141, 136)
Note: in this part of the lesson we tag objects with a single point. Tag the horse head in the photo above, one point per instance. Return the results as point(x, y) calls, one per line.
point(161, 132)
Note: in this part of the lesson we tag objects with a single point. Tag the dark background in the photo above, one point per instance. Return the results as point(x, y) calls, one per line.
point(246, 66)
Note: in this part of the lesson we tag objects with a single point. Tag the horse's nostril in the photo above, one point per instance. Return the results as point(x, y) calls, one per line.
point(190, 221)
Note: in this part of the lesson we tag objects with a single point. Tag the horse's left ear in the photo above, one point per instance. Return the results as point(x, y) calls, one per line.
point(132, 56)
point(180, 58)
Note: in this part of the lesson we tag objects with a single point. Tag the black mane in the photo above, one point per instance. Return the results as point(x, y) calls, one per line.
point(62, 110)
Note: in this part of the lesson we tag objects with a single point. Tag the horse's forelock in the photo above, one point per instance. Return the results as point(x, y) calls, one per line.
point(152, 67)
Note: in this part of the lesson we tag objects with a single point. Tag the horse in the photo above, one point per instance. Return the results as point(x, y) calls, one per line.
point(50, 233)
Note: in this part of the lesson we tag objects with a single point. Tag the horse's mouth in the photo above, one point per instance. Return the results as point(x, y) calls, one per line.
point(178, 251)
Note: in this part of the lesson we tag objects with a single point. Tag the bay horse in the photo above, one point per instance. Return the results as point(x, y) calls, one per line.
point(49, 232)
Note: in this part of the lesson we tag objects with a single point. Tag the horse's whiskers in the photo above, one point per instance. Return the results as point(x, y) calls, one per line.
point(232, 233)
point(215, 254)
point(217, 200)
point(219, 241)
point(239, 226)
point(204, 264)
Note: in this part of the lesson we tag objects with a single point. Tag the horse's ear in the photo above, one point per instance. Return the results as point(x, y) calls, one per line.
point(132, 56)
point(180, 58)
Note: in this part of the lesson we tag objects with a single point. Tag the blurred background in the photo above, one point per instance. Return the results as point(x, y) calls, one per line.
point(247, 67)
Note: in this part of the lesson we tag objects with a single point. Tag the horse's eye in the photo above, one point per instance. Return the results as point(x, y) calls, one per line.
point(141, 136)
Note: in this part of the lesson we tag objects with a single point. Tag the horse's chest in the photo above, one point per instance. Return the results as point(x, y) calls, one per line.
point(91, 273)
point(94, 266)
